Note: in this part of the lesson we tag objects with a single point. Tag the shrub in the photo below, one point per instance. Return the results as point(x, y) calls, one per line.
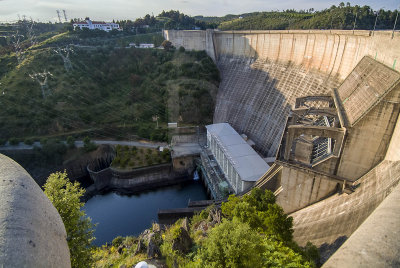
point(88, 145)
point(65, 197)
point(231, 244)
point(13, 141)
point(43, 141)
point(261, 212)
point(28, 141)
point(2, 142)
point(53, 151)
point(116, 161)
point(181, 49)
point(117, 241)
point(70, 142)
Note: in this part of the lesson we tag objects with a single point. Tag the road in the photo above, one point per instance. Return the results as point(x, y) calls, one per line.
point(23, 146)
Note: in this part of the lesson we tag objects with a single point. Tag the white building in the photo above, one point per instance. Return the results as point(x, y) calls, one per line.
point(241, 165)
point(141, 45)
point(92, 25)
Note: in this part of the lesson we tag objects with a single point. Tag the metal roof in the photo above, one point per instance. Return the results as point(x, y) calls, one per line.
point(247, 163)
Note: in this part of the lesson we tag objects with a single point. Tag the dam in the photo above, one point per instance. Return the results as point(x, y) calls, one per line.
point(325, 105)
point(297, 95)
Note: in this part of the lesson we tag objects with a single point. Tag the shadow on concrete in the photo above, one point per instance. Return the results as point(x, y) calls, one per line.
point(326, 250)
point(249, 98)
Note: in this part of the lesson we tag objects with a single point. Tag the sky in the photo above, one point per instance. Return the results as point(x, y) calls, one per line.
point(45, 10)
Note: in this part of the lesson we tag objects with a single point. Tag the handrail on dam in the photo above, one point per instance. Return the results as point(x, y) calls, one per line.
point(32, 231)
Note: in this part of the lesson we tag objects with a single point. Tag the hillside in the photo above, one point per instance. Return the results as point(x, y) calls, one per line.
point(103, 91)
point(335, 17)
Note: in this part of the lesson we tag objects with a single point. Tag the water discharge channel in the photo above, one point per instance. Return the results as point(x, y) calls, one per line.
point(131, 214)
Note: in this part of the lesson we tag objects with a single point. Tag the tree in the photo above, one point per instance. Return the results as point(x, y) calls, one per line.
point(261, 212)
point(88, 145)
point(70, 142)
point(65, 197)
point(231, 244)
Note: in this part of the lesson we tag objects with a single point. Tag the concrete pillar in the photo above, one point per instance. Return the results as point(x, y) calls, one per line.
point(32, 232)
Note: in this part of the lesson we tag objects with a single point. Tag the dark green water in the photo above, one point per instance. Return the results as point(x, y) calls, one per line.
point(130, 215)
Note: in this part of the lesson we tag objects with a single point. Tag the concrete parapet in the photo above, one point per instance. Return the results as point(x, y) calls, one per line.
point(32, 231)
point(376, 243)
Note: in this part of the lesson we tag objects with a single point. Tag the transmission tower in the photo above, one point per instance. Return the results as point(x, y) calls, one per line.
point(58, 14)
point(30, 33)
point(42, 78)
point(65, 15)
point(64, 54)
point(19, 52)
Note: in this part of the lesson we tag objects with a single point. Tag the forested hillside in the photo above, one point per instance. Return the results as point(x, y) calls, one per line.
point(102, 91)
point(342, 16)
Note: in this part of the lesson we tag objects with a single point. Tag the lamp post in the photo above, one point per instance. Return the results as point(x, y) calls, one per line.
point(376, 19)
point(395, 21)
point(355, 20)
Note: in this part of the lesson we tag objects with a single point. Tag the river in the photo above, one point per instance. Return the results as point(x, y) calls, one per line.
point(130, 215)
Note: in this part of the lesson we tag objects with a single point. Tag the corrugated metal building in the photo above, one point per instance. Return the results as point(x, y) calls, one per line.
point(241, 165)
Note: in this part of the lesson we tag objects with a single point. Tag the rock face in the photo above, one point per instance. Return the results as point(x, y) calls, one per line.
point(153, 248)
point(183, 243)
point(185, 224)
point(141, 247)
point(32, 232)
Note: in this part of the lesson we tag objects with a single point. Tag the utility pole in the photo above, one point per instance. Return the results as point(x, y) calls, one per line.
point(58, 14)
point(395, 21)
point(65, 15)
point(355, 20)
point(376, 19)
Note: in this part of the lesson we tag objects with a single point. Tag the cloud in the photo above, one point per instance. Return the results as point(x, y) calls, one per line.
point(125, 9)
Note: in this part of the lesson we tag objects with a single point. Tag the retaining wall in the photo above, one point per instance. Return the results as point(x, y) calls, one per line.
point(138, 179)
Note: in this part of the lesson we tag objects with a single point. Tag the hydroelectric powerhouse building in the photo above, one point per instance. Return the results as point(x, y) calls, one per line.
point(241, 165)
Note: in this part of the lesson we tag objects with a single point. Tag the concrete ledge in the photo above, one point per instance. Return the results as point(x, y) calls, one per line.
point(32, 233)
point(376, 243)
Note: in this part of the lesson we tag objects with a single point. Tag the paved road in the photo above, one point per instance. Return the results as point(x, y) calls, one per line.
point(23, 146)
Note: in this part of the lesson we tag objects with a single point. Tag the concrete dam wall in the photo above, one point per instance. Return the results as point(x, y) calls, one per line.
point(263, 72)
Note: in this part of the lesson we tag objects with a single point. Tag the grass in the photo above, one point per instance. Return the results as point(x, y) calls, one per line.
point(131, 157)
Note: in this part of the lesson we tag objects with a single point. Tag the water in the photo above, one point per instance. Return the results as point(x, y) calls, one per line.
point(130, 215)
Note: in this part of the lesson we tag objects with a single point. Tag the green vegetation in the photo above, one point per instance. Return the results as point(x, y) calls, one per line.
point(130, 157)
point(65, 196)
point(335, 17)
point(251, 231)
point(88, 145)
point(71, 142)
point(109, 93)
point(165, 20)
point(120, 252)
